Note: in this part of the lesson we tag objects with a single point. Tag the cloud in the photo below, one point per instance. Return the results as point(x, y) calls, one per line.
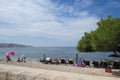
point(43, 19)
point(72, 8)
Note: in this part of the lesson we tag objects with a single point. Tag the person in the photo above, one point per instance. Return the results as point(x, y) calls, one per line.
point(44, 57)
point(76, 57)
point(80, 63)
point(8, 58)
point(18, 60)
point(23, 58)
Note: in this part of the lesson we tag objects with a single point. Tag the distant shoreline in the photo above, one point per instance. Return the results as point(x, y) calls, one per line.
point(9, 45)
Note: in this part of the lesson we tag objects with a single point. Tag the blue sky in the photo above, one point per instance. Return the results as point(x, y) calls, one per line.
point(52, 23)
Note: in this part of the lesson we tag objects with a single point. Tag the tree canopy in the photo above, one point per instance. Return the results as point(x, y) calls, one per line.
point(105, 38)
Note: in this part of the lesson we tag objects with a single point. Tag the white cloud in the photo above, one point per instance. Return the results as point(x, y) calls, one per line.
point(34, 18)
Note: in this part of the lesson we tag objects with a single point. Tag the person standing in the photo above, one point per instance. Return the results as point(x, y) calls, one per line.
point(44, 56)
point(8, 58)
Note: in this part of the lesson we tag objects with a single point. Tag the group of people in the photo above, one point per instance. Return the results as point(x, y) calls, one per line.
point(76, 61)
point(22, 58)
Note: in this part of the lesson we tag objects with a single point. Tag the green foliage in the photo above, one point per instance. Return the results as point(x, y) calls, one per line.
point(105, 38)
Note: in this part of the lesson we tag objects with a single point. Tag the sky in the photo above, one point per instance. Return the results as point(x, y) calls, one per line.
point(52, 23)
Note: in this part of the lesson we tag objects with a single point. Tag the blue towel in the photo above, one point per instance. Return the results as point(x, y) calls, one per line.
point(79, 63)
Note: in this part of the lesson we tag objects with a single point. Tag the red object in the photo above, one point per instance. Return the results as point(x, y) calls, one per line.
point(10, 53)
point(109, 70)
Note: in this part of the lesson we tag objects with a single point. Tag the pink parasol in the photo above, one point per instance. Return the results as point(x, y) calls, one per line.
point(10, 53)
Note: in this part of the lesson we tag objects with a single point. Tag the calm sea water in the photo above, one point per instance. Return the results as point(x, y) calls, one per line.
point(55, 52)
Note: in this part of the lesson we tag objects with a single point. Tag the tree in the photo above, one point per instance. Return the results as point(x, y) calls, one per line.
point(105, 38)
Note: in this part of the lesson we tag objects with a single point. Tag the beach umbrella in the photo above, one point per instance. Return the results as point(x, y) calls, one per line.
point(10, 53)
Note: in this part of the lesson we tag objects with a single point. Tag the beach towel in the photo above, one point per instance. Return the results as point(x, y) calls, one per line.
point(80, 63)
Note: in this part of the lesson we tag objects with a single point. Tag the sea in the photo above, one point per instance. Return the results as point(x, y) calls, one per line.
point(34, 53)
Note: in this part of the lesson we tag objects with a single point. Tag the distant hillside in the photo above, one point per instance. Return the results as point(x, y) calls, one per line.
point(5, 45)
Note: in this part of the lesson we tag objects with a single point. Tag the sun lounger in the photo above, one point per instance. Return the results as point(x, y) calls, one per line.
point(96, 63)
point(87, 63)
point(62, 61)
point(55, 61)
point(104, 64)
point(116, 64)
point(70, 61)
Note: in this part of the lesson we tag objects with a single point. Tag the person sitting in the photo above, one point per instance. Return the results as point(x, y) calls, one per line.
point(18, 60)
point(80, 63)
point(23, 58)
point(41, 59)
